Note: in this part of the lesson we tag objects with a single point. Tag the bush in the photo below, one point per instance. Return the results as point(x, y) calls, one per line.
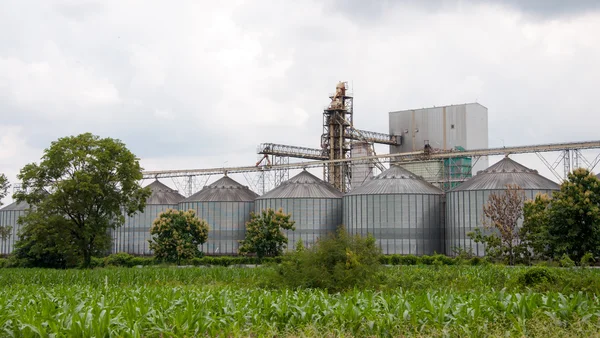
point(118, 259)
point(535, 276)
point(587, 259)
point(335, 263)
point(3, 263)
point(566, 261)
point(96, 262)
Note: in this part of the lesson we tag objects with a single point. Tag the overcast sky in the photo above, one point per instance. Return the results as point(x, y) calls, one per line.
point(193, 84)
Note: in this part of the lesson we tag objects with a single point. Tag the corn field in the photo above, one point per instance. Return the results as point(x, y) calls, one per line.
point(212, 302)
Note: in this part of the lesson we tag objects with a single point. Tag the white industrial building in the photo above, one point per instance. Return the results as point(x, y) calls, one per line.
point(445, 128)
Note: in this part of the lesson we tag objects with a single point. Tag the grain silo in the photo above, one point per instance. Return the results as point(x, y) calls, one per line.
point(400, 210)
point(315, 205)
point(9, 216)
point(133, 236)
point(464, 204)
point(226, 206)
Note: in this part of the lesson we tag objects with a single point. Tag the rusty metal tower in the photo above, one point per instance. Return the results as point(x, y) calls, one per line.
point(337, 122)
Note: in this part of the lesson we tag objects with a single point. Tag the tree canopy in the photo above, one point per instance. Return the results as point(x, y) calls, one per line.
point(264, 233)
point(3, 187)
point(4, 230)
point(176, 235)
point(574, 216)
point(85, 184)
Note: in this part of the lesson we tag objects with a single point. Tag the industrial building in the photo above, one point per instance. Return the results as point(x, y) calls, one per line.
point(402, 212)
point(464, 204)
point(445, 128)
point(9, 215)
point(134, 235)
point(315, 205)
point(426, 198)
point(226, 206)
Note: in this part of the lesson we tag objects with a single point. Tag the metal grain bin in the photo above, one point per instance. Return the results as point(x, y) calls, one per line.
point(226, 206)
point(464, 204)
point(133, 236)
point(315, 205)
point(8, 217)
point(402, 212)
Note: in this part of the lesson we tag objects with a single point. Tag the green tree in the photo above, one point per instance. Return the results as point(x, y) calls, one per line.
point(501, 218)
point(45, 241)
point(534, 231)
point(4, 185)
point(177, 234)
point(264, 233)
point(89, 182)
point(574, 217)
point(4, 230)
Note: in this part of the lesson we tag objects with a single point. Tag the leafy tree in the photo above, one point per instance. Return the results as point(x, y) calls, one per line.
point(4, 185)
point(90, 183)
point(4, 230)
point(177, 234)
point(46, 242)
point(501, 216)
point(264, 233)
point(534, 231)
point(574, 217)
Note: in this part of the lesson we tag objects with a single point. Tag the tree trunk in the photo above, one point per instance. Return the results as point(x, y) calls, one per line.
point(87, 258)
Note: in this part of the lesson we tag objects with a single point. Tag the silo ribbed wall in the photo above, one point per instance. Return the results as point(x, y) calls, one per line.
point(464, 213)
point(400, 223)
point(9, 218)
point(227, 221)
point(134, 235)
point(314, 217)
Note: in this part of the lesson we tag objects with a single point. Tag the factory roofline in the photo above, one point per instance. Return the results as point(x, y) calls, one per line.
point(396, 180)
point(303, 185)
point(224, 189)
point(507, 171)
point(444, 106)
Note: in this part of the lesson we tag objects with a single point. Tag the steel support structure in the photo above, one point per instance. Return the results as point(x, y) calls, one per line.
point(337, 119)
point(398, 158)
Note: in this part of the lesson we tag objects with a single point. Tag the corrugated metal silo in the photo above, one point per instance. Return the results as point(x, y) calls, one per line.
point(133, 236)
point(8, 217)
point(226, 206)
point(315, 205)
point(402, 212)
point(464, 204)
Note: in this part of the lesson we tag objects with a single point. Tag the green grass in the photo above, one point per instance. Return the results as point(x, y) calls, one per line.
point(412, 301)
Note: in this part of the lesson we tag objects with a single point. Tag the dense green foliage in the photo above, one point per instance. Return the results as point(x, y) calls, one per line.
point(5, 229)
point(574, 216)
point(264, 233)
point(4, 185)
point(176, 235)
point(432, 301)
point(335, 263)
point(89, 182)
point(46, 242)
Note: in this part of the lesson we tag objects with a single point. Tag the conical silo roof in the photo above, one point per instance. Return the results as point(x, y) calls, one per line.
point(224, 189)
point(15, 206)
point(304, 185)
point(162, 194)
point(507, 172)
point(396, 180)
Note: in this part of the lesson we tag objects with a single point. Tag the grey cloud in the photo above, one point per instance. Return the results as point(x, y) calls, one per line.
point(371, 11)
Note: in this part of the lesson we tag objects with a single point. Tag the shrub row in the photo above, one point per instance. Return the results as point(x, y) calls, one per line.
point(127, 260)
point(429, 260)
